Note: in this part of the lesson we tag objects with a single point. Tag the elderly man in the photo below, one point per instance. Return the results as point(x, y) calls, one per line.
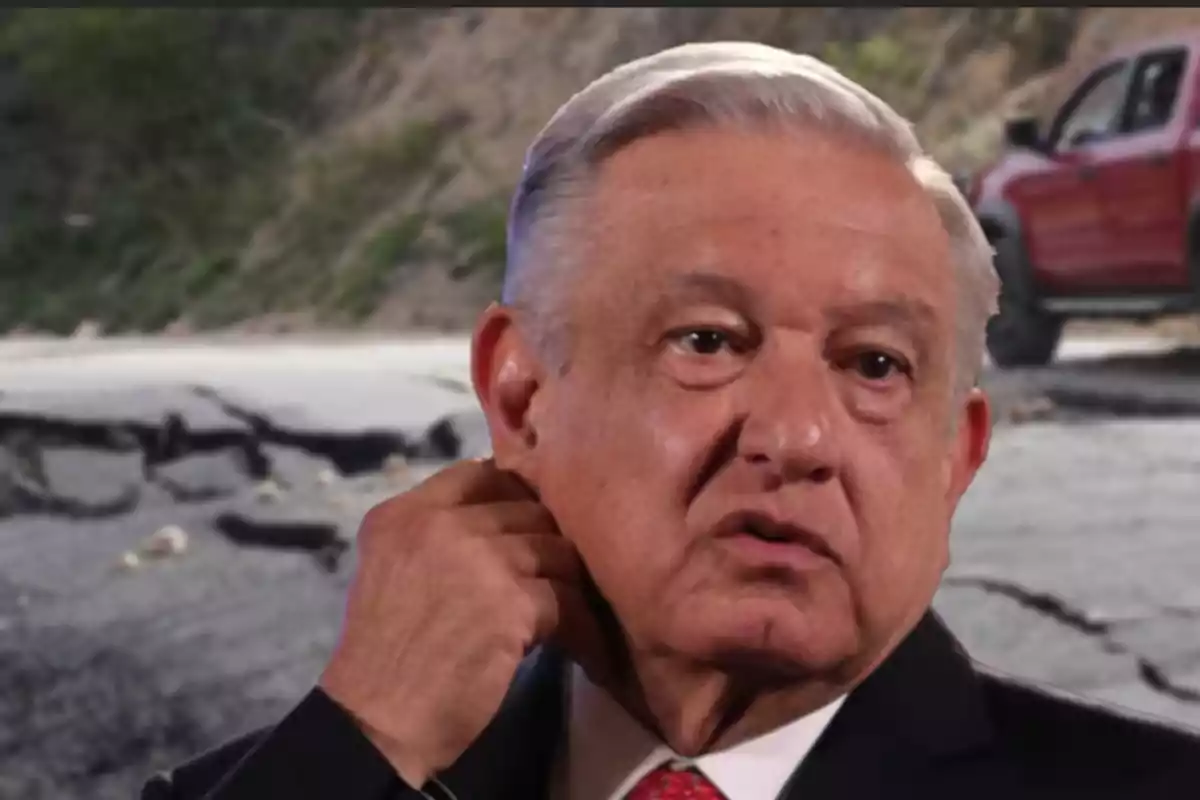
point(731, 399)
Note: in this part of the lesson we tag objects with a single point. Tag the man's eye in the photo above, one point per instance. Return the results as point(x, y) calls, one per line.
point(704, 341)
point(877, 366)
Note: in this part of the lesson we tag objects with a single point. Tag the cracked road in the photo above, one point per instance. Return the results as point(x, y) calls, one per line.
point(177, 520)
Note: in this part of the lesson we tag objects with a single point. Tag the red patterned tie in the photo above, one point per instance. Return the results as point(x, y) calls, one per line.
point(674, 782)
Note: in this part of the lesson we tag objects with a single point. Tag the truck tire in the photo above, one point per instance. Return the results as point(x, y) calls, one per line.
point(1193, 250)
point(1021, 334)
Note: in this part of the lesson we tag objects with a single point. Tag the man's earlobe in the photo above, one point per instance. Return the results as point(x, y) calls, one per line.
point(507, 376)
point(972, 441)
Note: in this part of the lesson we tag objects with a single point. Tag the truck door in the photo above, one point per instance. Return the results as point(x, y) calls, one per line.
point(1060, 205)
point(1139, 173)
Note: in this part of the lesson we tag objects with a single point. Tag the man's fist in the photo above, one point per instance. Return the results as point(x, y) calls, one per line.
point(457, 580)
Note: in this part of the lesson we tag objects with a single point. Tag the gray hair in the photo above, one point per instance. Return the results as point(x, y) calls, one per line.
point(724, 83)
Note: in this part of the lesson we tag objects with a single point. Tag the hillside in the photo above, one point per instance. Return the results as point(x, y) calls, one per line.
point(272, 169)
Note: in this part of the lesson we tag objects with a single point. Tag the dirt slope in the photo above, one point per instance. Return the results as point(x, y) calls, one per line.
point(388, 212)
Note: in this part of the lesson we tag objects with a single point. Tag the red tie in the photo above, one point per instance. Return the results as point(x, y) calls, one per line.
point(674, 782)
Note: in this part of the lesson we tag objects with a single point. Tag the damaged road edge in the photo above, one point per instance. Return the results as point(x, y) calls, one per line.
point(1060, 611)
point(26, 489)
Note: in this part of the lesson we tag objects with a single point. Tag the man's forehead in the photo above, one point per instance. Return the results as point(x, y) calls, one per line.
point(808, 260)
point(677, 157)
point(746, 221)
point(864, 304)
point(766, 179)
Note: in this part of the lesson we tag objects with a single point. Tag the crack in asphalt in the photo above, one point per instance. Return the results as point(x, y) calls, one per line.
point(321, 539)
point(1046, 604)
point(22, 499)
point(170, 439)
point(28, 491)
point(1122, 403)
point(1055, 608)
point(1154, 677)
point(25, 488)
point(353, 453)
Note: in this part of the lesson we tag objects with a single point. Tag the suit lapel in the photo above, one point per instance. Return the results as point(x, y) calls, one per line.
point(513, 758)
point(920, 709)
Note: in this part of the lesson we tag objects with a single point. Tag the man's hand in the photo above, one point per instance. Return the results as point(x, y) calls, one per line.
point(457, 579)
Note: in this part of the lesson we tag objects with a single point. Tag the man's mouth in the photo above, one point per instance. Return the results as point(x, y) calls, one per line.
point(760, 527)
point(770, 533)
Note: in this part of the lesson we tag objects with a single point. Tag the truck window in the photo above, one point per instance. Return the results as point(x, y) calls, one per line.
point(1153, 91)
point(1093, 112)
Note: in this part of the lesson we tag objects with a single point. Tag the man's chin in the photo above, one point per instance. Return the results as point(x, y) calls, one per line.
point(773, 638)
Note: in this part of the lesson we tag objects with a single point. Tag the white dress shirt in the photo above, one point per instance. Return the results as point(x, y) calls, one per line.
point(608, 751)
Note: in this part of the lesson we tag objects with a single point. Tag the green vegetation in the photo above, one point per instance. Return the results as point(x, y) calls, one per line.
point(216, 165)
point(338, 191)
point(151, 140)
point(883, 63)
point(362, 284)
point(480, 231)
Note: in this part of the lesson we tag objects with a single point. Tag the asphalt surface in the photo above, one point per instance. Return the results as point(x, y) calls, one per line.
point(177, 519)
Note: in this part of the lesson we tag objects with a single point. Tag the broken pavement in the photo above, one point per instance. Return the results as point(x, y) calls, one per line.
point(131, 649)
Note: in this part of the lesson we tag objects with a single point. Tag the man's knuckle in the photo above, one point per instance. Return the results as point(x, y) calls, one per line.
point(376, 523)
point(522, 609)
point(376, 516)
point(442, 522)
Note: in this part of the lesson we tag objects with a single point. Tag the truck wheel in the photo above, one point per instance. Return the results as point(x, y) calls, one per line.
point(1021, 334)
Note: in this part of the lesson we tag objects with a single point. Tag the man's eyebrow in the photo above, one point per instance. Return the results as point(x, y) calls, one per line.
point(907, 312)
point(700, 284)
point(709, 285)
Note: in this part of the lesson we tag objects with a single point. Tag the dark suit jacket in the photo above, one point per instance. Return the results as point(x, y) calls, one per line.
point(926, 724)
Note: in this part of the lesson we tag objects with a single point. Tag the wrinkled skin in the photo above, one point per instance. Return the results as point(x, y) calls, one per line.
point(761, 321)
point(457, 579)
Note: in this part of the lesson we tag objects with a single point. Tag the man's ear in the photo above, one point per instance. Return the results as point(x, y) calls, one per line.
point(507, 376)
point(971, 442)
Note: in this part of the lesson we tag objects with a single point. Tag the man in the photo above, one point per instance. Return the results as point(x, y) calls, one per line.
point(731, 398)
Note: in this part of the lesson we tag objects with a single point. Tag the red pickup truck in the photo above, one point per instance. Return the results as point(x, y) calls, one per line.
point(1098, 215)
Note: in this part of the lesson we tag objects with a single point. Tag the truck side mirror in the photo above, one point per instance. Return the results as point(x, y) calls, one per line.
point(1022, 133)
point(1084, 137)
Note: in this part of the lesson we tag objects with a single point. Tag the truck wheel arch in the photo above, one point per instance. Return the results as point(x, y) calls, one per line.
point(1022, 334)
point(1192, 243)
point(1000, 221)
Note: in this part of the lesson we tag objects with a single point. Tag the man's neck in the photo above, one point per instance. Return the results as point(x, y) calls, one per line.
point(695, 711)
point(697, 708)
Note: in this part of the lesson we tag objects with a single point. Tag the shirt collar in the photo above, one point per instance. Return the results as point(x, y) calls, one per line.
point(608, 751)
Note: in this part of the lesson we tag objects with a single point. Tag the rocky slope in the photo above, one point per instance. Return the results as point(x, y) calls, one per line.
point(377, 195)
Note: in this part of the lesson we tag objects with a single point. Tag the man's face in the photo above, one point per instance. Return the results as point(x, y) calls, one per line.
point(762, 349)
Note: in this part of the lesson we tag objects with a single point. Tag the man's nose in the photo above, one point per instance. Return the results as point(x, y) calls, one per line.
point(788, 429)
